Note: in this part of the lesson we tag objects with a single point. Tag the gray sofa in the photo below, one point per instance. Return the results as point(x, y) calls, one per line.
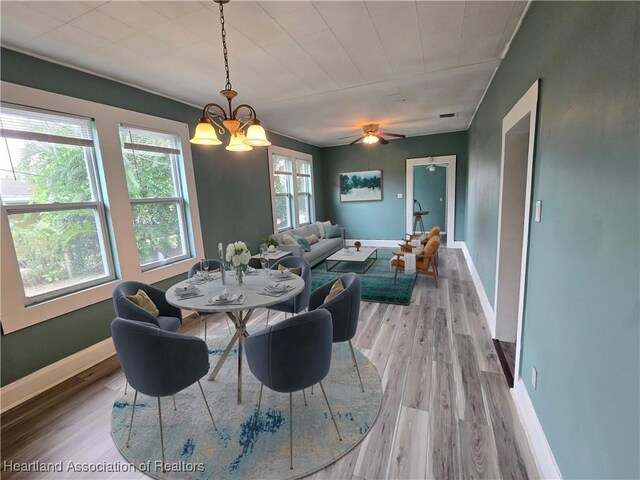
point(319, 251)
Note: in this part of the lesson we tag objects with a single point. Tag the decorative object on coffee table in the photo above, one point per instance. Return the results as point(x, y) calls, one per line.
point(357, 245)
point(271, 244)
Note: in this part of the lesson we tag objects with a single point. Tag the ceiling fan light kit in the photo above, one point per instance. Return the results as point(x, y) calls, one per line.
point(237, 121)
point(373, 135)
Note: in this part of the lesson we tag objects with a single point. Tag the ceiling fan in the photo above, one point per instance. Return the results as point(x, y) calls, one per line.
point(373, 135)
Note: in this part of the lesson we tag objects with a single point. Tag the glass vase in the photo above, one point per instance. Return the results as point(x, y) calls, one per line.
point(240, 269)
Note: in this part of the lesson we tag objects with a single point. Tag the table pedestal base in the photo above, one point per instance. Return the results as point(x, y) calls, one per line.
point(239, 319)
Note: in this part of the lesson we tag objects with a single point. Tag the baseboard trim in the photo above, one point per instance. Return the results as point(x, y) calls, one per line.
point(41, 380)
point(545, 461)
point(482, 294)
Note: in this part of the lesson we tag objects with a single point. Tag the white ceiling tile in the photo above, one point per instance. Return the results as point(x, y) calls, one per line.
point(134, 14)
point(296, 59)
point(147, 46)
point(363, 46)
point(440, 30)
point(389, 8)
point(18, 21)
point(515, 16)
point(173, 35)
point(173, 10)
point(69, 42)
point(204, 23)
point(254, 22)
point(338, 13)
point(103, 26)
point(329, 54)
point(65, 11)
point(402, 46)
point(301, 21)
point(277, 8)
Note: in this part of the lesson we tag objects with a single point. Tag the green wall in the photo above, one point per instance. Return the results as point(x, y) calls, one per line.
point(581, 324)
point(386, 220)
point(233, 197)
point(430, 189)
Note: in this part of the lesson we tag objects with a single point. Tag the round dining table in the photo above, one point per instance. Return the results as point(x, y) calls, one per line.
point(252, 295)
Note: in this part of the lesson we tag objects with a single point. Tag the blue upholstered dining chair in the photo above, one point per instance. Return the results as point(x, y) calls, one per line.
point(169, 318)
point(301, 301)
point(213, 266)
point(344, 309)
point(291, 356)
point(158, 363)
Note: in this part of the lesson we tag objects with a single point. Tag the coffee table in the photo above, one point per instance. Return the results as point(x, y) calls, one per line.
point(351, 255)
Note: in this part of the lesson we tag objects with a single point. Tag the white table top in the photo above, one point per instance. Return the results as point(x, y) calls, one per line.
point(252, 285)
point(351, 255)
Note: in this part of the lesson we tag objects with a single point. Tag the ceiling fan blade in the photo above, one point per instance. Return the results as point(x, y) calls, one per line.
point(383, 141)
point(357, 139)
point(393, 135)
point(349, 136)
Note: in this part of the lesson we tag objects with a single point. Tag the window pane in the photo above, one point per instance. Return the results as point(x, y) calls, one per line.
point(42, 172)
point(149, 174)
point(303, 167)
point(158, 231)
point(283, 211)
point(304, 208)
point(281, 164)
point(148, 137)
point(58, 249)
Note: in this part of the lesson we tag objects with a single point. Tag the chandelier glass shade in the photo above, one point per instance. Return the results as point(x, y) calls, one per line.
point(242, 122)
point(370, 139)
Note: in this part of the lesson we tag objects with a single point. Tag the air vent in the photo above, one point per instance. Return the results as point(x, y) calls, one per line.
point(447, 115)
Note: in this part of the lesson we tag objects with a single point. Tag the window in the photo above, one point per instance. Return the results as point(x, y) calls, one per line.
point(153, 162)
point(49, 187)
point(292, 188)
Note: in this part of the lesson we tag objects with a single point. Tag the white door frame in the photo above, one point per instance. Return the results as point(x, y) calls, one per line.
point(450, 161)
point(527, 105)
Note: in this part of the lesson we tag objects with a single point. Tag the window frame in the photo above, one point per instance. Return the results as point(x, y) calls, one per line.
point(96, 204)
point(14, 313)
point(293, 157)
point(178, 198)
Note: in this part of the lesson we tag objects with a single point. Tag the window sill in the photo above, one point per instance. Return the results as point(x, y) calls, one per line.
point(15, 315)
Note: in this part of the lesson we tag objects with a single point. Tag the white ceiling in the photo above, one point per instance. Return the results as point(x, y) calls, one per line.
point(315, 71)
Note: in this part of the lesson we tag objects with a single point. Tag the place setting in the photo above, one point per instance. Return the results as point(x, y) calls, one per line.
point(227, 298)
point(187, 291)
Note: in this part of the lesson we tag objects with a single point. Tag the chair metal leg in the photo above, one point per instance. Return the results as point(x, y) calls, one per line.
point(126, 384)
point(207, 404)
point(330, 411)
point(205, 328)
point(161, 433)
point(228, 325)
point(311, 389)
point(291, 430)
point(174, 403)
point(260, 396)
point(305, 397)
point(355, 363)
point(268, 314)
point(135, 399)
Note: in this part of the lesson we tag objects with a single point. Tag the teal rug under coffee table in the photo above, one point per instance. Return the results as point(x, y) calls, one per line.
point(249, 444)
point(377, 283)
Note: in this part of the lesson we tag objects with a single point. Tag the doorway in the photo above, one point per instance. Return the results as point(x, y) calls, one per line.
point(430, 195)
point(518, 138)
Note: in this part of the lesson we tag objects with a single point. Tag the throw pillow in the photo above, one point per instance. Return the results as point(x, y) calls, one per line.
point(321, 225)
point(332, 232)
point(289, 240)
point(336, 288)
point(303, 243)
point(142, 300)
point(294, 270)
point(311, 239)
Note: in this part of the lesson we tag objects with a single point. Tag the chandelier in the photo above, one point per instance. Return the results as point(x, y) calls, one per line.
point(241, 122)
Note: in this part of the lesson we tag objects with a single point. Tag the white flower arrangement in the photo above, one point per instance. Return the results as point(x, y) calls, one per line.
point(238, 254)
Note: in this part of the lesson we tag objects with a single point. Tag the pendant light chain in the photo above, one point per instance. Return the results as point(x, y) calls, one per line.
point(224, 48)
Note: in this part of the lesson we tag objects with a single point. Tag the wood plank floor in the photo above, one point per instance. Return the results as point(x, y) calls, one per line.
point(446, 412)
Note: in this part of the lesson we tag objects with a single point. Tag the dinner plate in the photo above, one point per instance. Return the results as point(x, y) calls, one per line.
point(217, 301)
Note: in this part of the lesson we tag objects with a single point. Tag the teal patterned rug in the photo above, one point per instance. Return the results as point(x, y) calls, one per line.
point(377, 283)
point(249, 444)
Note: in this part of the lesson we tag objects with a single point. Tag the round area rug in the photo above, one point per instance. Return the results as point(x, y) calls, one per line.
point(249, 443)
